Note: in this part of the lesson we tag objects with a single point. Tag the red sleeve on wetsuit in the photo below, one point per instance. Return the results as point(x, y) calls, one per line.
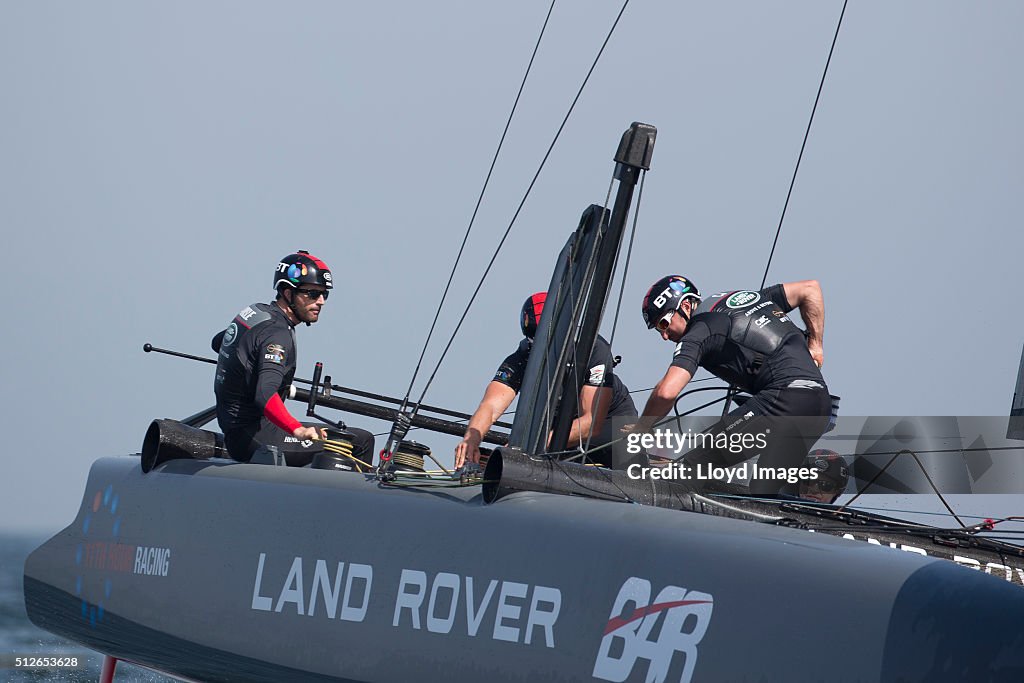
point(275, 411)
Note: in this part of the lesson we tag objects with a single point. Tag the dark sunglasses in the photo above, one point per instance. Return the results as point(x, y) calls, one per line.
point(825, 485)
point(314, 294)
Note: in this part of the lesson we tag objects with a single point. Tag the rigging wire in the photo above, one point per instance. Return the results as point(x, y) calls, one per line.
point(923, 471)
point(522, 203)
point(629, 255)
point(479, 200)
point(803, 145)
point(635, 391)
point(584, 446)
point(543, 370)
point(540, 168)
point(572, 337)
point(799, 158)
point(862, 508)
point(587, 285)
point(583, 450)
point(946, 450)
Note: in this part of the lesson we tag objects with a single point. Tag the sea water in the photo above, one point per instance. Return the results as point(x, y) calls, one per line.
point(19, 637)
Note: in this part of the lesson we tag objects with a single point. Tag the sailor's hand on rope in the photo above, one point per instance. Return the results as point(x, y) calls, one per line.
point(468, 450)
point(309, 433)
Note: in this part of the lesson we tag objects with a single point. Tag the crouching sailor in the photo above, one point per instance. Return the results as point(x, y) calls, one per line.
point(256, 364)
point(747, 339)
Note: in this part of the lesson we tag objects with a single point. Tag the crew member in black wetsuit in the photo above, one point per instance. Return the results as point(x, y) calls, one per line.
point(256, 364)
point(602, 396)
point(747, 339)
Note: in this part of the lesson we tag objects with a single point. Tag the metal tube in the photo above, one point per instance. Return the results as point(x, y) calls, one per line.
point(148, 348)
point(434, 424)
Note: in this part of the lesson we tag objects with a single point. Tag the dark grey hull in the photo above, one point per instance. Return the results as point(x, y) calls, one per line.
point(231, 572)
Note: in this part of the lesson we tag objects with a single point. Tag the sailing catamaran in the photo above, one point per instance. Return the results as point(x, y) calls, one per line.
point(542, 569)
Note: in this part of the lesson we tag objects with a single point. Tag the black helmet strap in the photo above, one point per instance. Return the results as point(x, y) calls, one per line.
point(680, 311)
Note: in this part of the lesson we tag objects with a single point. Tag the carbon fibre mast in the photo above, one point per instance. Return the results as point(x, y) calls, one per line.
point(575, 302)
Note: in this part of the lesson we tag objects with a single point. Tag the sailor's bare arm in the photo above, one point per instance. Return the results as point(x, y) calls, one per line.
point(806, 295)
point(663, 396)
point(594, 404)
point(497, 398)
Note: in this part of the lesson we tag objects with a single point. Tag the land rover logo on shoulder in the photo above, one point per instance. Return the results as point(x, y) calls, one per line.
point(230, 334)
point(741, 299)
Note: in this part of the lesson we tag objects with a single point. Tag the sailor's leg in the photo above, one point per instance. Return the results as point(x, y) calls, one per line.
point(241, 443)
point(798, 417)
point(253, 447)
point(297, 453)
point(733, 439)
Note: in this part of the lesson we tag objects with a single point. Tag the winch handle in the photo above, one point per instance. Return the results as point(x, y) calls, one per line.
point(318, 370)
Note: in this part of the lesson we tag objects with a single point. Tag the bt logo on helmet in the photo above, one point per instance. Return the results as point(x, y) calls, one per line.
point(296, 270)
point(679, 286)
point(663, 297)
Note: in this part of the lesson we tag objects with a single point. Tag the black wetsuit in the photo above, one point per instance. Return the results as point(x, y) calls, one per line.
point(256, 359)
point(600, 373)
point(748, 339)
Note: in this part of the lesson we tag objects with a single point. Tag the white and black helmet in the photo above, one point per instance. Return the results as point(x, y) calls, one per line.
point(665, 295)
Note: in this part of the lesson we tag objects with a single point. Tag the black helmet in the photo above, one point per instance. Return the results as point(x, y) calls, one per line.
point(530, 316)
point(665, 295)
point(302, 268)
point(831, 467)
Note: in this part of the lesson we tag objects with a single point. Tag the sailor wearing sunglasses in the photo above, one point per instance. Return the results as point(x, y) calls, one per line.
point(256, 365)
point(747, 339)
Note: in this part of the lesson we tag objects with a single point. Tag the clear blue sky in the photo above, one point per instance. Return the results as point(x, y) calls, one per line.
point(159, 158)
